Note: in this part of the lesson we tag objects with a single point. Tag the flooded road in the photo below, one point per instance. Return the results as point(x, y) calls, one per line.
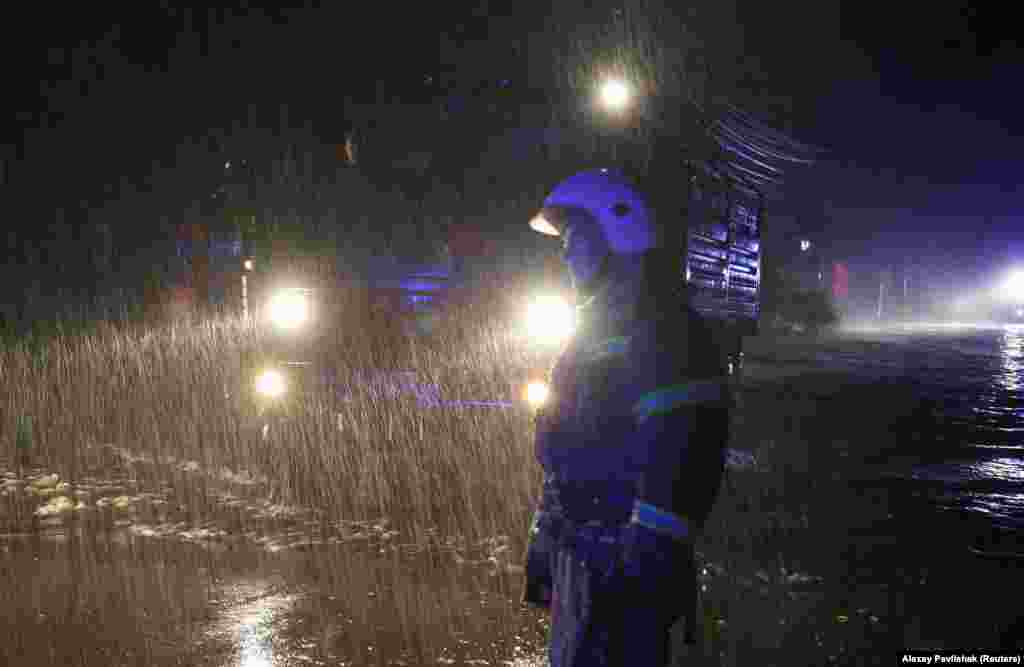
point(964, 438)
point(196, 575)
point(874, 504)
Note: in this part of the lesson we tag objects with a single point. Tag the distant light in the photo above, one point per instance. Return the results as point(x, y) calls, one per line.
point(1014, 286)
point(248, 265)
point(1020, 312)
point(227, 165)
point(615, 94)
point(805, 245)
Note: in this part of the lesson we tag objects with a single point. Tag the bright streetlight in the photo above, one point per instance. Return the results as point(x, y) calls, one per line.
point(615, 94)
point(805, 245)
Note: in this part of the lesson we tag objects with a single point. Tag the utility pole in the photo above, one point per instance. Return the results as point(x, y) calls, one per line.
point(881, 299)
point(906, 305)
point(881, 293)
point(885, 281)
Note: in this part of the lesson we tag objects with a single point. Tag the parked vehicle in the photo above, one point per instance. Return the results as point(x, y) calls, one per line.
point(723, 256)
point(304, 305)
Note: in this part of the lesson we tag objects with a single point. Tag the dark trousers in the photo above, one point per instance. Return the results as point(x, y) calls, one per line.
point(602, 616)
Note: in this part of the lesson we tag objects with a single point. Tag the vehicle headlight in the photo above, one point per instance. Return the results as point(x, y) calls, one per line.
point(271, 384)
point(289, 309)
point(537, 393)
point(550, 319)
point(1012, 288)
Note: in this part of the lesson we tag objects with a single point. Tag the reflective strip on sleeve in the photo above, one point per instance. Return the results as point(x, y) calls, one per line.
point(660, 520)
point(667, 399)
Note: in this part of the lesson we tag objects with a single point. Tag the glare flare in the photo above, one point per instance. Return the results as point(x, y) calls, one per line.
point(615, 94)
point(537, 393)
point(271, 384)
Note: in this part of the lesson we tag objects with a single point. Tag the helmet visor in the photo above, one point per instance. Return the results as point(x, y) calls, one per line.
point(554, 220)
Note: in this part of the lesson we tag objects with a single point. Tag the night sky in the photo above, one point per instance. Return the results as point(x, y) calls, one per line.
point(925, 140)
point(919, 112)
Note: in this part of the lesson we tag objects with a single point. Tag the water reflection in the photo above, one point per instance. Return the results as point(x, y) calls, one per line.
point(247, 623)
point(998, 505)
point(255, 649)
point(1002, 469)
point(374, 603)
point(1012, 358)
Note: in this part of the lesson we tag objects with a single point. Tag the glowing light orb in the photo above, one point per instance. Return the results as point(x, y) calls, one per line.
point(549, 319)
point(537, 393)
point(271, 384)
point(615, 94)
point(288, 309)
point(1014, 286)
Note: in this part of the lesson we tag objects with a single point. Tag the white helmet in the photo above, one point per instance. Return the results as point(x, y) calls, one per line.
point(610, 198)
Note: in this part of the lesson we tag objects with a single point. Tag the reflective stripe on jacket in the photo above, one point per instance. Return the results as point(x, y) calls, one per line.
point(666, 399)
point(660, 520)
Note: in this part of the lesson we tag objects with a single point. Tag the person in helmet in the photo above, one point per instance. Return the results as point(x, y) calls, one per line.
point(632, 438)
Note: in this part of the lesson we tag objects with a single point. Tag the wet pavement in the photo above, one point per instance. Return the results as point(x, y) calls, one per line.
point(835, 541)
point(194, 574)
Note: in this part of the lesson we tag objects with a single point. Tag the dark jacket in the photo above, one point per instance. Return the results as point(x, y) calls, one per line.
point(639, 411)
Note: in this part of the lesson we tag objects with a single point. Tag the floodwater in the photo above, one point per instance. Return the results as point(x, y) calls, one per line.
point(874, 503)
point(966, 431)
